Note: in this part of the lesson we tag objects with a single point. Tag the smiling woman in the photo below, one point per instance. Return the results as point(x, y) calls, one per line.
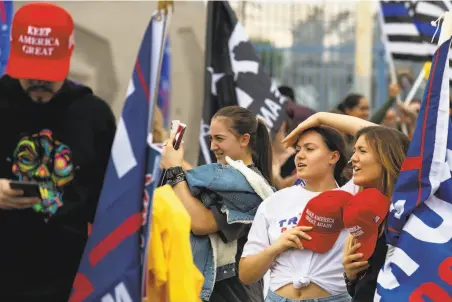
point(237, 133)
point(378, 156)
point(221, 202)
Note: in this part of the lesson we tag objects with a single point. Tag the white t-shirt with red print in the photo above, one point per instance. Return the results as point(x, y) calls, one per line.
point(280, 212)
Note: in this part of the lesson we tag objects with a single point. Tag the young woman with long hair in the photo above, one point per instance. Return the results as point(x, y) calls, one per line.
point(377, 159)
point(274, 240)
point(220, 201)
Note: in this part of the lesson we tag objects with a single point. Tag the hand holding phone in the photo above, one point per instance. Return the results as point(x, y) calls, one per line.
point(12, 195)
point(179, 135)
point(178, 130)
point(29, 189)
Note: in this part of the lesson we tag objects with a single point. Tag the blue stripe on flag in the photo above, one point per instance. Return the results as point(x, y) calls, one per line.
point(393, 9)
point(425, 28)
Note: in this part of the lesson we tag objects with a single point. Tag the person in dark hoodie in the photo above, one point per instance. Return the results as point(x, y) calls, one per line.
point(58, 134)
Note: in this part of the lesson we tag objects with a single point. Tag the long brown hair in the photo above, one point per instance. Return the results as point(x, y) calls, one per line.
point(390, 147)
point(334, 142)
point(241, 121)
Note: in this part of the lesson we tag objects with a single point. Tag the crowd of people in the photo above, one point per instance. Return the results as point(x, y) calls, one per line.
point(321, 154)
point(285, 206)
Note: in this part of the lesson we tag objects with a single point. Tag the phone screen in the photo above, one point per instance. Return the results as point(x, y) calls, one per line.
point(30, 189)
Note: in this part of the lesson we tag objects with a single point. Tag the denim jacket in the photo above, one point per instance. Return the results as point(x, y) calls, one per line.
point(218, 184)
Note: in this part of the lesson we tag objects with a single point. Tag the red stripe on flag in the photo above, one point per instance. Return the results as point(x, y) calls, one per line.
point(3, 11)
point(393, 230)
point(82, 288)
point(411, 163)
point(127, 228)
point(424, 126)
point(142, 81)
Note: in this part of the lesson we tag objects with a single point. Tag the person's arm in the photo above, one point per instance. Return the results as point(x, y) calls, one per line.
point(186, 166)
point(350, 288)
point(202, 219)
point(206, 221)
point(253, 268)
point(343, 123)
point(380, 114)
point(258, 255)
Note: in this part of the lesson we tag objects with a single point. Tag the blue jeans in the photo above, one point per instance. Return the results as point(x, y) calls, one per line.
point(272, 297)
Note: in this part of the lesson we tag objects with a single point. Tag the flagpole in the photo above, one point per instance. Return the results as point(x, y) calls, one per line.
point(422, 75)
point(390, 61)
point(162, 14)
point(207, 106)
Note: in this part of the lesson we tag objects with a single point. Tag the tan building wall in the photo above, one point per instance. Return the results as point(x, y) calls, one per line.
point(107, 37)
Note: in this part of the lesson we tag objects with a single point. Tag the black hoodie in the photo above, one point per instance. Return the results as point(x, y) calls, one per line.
point(39, 259)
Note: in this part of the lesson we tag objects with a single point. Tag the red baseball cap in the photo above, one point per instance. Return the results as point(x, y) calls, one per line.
point(42, 41)
point(324, 214)
point(363, 215)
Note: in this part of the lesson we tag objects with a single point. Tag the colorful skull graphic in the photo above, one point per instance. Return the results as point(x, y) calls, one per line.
point(40, 158)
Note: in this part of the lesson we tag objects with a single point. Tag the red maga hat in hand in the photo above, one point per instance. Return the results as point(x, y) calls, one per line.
point(324, 214)
point(363, 215)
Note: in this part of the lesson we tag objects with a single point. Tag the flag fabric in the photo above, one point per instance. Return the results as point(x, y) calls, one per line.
point(420, 220)
point(6, 17)
point(402, 38)
point(424, 13)
point(409, 28)
point(112, 265)
point(165, 84)
point(234, 75)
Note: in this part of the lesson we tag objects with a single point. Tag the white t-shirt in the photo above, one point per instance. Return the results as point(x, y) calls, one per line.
point(282, 211)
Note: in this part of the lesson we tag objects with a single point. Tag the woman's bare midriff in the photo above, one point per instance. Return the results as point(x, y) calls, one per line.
point(311, 291)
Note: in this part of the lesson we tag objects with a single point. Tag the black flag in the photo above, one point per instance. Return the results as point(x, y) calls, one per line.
point(234, 75)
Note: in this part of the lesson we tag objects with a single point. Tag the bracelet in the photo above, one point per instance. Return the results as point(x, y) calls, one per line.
point(172, 172)
point(179, 178)
point(348, 282)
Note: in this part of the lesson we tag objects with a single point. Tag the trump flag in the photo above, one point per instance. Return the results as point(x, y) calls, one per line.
point(112, 265)
point(419, 224)
point(6, 18)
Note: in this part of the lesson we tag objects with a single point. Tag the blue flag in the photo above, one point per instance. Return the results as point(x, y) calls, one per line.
point(165, 84)
point(6, 17)
point(419, 224)
point(112, 265)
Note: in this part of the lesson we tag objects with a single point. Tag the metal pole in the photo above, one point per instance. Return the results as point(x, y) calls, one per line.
point(363, 49)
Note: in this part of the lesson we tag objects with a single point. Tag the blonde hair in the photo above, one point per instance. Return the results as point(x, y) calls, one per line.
point(390, 147)
point(158, 132)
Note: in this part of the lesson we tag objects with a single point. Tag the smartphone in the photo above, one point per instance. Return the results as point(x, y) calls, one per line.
point(174, 126)
point(30, 189)
point(178, 128)
point(179, 135)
